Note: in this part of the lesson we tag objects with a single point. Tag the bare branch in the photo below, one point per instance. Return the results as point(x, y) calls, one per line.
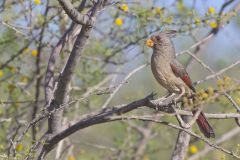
point(123, 81)
point(214, 145)
point(218, 73)
point(220, 140)
point(75, 15)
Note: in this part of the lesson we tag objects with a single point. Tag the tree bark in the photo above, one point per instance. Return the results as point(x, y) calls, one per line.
point(183, 139)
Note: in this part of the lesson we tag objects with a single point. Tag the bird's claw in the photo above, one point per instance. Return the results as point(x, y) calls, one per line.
point(156, 103)
point(174, 102)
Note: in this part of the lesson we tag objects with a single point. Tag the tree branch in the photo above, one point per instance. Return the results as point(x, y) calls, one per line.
point(220, 140)
point(83, 19)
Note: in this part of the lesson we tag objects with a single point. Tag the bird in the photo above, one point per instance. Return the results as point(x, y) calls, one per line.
point(172, 75)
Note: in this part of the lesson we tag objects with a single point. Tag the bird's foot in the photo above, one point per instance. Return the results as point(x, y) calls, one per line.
point(174, 103)
point(156, 103)
point(161, 99)
point(176, 99)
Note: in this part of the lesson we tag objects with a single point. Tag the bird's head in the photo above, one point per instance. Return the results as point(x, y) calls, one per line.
point(160, 38)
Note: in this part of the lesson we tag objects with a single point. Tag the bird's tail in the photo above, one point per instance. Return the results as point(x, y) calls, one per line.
point(204, 126)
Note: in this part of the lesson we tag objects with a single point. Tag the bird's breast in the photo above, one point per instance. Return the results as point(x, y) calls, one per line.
point(159, 69)
point(163, 73)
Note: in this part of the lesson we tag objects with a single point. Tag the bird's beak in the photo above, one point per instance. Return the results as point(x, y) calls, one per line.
point(150, 43)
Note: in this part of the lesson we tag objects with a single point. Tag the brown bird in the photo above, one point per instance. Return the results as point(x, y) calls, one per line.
point(171, 74)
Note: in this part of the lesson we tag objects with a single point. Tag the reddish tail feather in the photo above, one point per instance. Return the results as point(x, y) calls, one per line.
point(204, 126)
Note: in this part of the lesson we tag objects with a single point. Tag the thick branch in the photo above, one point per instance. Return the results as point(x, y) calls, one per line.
point(77, 17)
point(73, 30)
point(182, 143)
point(62, 90)
point(61, 94)
point(105, 115)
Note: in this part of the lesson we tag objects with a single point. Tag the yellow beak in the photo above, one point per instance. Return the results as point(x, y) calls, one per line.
point(149, 43)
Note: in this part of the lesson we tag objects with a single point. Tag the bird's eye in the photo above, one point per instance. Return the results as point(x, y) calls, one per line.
point(158, 38)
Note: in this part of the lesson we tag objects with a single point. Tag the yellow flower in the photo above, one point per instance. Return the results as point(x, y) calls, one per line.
point(158, 10)
point(11, 68)
point(71, 157)
point(220, 83)
point(124, 7)
point(204, 95)
point(145, 157)
point(34, 53)
point(193, 149)
point(24, 79)
point(227, 81)
point(1, 73)
point(149, 43)
point(37, 2)
point(210, 90)
point(19, 147)
point(226, 78)
point(169, 20)
point(213, 24)
point(119, 21)
point(197, 21)
point(201, 94)
point(180, 6)
point(211, 10)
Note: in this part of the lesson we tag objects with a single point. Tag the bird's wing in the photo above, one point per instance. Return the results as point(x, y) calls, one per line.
point(179, 70)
